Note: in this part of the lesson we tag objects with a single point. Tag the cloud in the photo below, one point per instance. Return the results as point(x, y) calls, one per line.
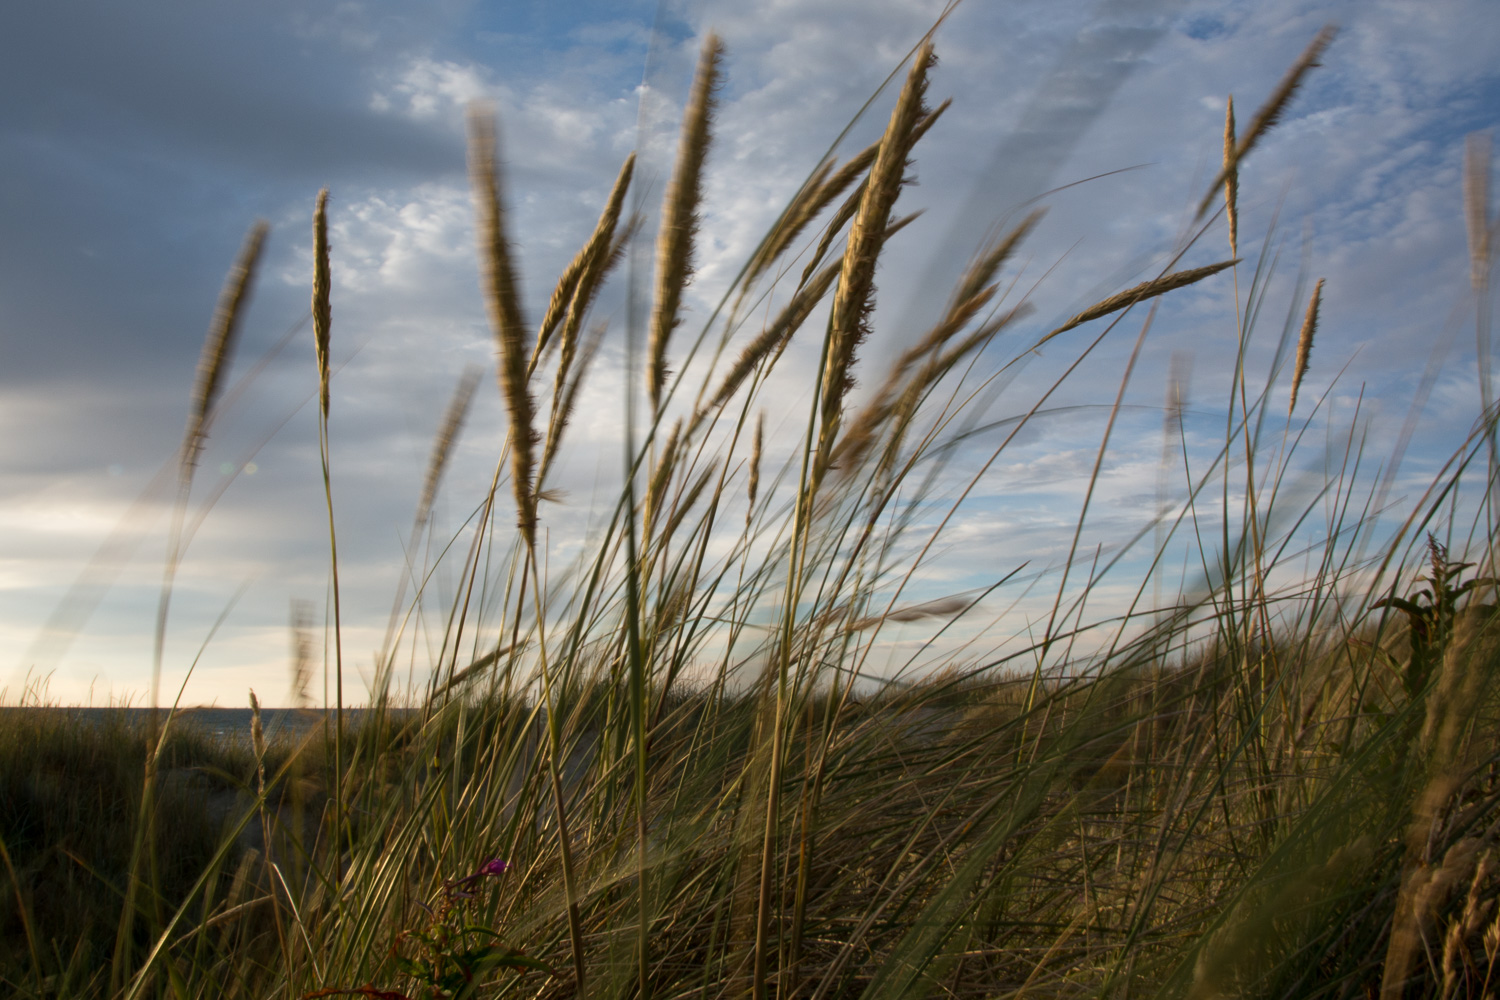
point(427, 89)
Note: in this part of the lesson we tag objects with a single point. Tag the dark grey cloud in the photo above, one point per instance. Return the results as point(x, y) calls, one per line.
point(138, 144)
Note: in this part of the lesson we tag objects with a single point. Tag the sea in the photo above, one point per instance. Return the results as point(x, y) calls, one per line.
point(232, 725)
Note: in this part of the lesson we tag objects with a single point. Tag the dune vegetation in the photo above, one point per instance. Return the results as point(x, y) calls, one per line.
point(671, 775)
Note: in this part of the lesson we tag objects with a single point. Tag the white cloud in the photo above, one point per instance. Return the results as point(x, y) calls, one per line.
point(429, 89)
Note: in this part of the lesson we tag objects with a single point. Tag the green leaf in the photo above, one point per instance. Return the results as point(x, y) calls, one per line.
point(1401, 604)
point(413, 968)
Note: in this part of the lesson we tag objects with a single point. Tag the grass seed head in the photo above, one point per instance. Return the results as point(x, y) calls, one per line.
point(1271, 112)
point(1140, 293)
point(565, 395)
point(584, 273)
point(257, 730)
point(1477, 207)
point(503, 304)
point(218, 346)
point(322, 312)
point(755, 452)
point(679, 223)
point(447, 437)
point(852, 304)
point(775, 336)
point(802, 209)
point(661, 475)
point(1231, 179)
point(1304, 344)
point(987, 264)
point(302, 651)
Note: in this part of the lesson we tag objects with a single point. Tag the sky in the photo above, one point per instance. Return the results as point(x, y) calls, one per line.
point(140, 142)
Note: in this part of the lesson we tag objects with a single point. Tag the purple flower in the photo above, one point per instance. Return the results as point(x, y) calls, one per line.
point(463, 888)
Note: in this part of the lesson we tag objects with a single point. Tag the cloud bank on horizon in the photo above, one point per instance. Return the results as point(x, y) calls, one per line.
point(141, 141)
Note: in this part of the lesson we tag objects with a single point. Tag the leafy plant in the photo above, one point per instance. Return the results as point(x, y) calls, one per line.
point(453, 956)
point(1432, 612)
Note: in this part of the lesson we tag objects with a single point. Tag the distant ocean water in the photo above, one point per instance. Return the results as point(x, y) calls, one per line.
point(229, 724)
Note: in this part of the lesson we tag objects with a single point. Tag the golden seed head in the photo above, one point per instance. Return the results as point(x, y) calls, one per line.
point(322, 312)
point(852, 304)
point(1304, 344)
point(503, 304)
point(257, 731)
point(1231, 179)
point(1270, 113)
point(447, 437)
point(1140, 293)
point(679, 222)
point(755, 453)
point(218, 346)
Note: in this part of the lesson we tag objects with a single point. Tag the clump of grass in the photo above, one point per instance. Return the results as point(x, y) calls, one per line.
point(72, 792)
point(702, 786)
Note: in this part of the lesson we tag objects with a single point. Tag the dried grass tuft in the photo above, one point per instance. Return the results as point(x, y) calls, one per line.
point(218, 346)
point(773, 339)
point(447, 437)
point(679, 222)
point(1304, 344)
point(502, 302)
point(1140, 293)
point(1270, 113)
point(1477, 207)
point(755, 455)
point(1231, 179)
point(322, 312)
point(849, 324)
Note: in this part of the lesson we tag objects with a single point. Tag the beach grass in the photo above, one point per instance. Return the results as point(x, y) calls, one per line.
point(673, 769)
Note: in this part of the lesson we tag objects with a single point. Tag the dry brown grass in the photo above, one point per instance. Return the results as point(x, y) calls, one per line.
point(503, 304)
point(679, 215)
point(1304, 344)
point(218, 346)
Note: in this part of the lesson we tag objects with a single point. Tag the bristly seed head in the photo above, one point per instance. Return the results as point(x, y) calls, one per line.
point(442, 447)
point(218, 346)
point(1140, 293)
point(1231, 179)
point(679, 222)
point(1477, 207)
point(755, 451)
point(322, 312)
point(1304, 344)
point(849, 323)
point(503, 302)
point(1270, 113)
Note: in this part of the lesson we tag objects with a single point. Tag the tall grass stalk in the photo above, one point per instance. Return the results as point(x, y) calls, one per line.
point(213, 365)
point(322, 314)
